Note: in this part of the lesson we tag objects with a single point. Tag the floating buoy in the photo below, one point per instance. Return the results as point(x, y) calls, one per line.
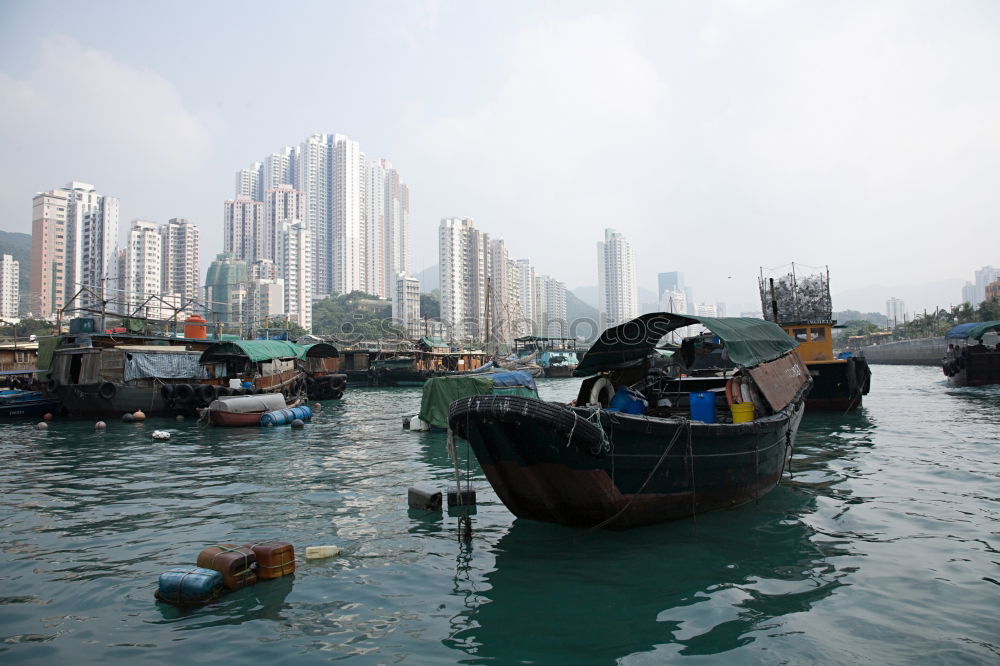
point(41, 425)
point(161, 434)
point(317, 406)
point(298, 423)
point(139, 415)
point(100, 425)
point(127, 417)
point(48, 416)
point(319, 552)
point(180, 417)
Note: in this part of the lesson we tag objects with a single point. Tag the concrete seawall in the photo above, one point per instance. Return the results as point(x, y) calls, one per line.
point(926, 351)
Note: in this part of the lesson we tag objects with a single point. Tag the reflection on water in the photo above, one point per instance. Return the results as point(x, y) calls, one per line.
point(687, 588)
point(876, 549)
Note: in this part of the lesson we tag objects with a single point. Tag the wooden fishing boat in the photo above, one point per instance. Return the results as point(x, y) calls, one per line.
point(106, 375)
point(591, 464)
point(973, 355)
point(321, 365)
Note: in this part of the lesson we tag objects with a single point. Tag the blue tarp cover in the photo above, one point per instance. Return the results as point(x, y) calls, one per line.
point(975, 330)
point(515, 378)
point(174, 365)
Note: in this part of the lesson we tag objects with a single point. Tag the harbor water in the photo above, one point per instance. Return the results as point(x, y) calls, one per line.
point(880, 546)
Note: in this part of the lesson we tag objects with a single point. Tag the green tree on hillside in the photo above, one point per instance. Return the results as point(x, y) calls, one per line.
point(355, 316)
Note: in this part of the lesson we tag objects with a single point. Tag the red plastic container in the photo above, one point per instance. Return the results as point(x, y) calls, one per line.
point(236, 564)
point(274, 559)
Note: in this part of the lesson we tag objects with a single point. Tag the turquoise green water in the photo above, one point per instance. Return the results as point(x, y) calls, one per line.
point(880, 548)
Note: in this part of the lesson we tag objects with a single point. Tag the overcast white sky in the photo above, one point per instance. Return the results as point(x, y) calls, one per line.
point(720, 137)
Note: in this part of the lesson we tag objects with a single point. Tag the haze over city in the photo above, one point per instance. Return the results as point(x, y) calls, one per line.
point(718, 137)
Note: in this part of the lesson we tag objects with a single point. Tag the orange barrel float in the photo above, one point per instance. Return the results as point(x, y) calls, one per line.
point(196, 327)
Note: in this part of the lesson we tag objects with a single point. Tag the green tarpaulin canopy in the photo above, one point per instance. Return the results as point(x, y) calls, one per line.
point(748, 341)
point(440, 392)
point(255, 350)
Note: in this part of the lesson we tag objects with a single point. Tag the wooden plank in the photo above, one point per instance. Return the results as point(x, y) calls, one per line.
point(780, 379)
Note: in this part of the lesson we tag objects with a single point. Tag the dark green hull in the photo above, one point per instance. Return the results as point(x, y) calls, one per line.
point(551, 462)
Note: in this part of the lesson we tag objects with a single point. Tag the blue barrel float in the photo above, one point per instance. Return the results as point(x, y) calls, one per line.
point(629, 401)
point(703, 407)
point(183, 586)
point(285, 416)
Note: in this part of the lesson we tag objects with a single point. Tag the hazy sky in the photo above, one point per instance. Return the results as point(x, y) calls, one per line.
point(720, 137)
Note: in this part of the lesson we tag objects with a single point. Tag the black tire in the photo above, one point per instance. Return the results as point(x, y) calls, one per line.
point(15, 383)
point(52, 385)
point(167, 392)
point(183, 394)
point(107, 390)
point(223, 391)
point(337, 394)
point(587, 437)
point(310, 385)
point(206, 393)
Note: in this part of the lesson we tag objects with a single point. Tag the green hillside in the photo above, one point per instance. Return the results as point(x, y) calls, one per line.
point(18, 245)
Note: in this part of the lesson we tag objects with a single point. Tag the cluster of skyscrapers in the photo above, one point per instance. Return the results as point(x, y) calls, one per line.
point(309, 221)
point(75, 256)
point(488, 296)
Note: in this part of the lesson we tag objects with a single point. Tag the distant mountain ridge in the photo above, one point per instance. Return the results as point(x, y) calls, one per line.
point(430, 279)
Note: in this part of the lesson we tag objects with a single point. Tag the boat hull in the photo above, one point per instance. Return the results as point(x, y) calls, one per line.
point(838, 385)
point(972, 365)
point(16, 404)
point(234, 419)
point(559, 370)
point(80, 400)
point(550, 462)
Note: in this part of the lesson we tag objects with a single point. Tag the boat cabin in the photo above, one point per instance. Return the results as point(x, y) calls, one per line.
point(267, 363)
point(815, 340)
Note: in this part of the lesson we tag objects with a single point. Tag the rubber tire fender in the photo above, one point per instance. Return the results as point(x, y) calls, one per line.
point(167, 392)
point(52, 385)
point(206, 393)
point(107, 390)
point(183, 393)
point(602, 385)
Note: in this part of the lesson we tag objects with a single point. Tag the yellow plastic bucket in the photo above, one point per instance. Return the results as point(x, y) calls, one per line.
point(742, 412)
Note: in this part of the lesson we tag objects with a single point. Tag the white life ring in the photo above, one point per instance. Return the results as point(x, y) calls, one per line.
point(601, 386)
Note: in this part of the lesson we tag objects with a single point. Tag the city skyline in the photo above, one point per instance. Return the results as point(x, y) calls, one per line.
point(770, 133)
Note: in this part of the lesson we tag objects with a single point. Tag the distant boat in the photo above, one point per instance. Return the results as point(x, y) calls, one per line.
point(557, 357)
point(640, 446)
point(106, 375)
point(968, 364)
point(18, 403)
point(802, 306)
point(321, 365)
point(411, 366)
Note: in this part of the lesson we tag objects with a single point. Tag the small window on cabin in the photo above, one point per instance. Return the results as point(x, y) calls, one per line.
point(818, 334)
point(800, 335)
